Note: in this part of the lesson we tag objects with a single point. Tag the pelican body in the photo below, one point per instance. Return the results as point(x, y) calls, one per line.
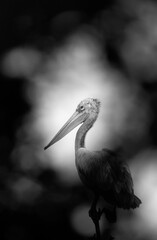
point(103, 171)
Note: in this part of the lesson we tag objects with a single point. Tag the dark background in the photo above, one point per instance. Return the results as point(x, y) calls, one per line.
point(33, 23)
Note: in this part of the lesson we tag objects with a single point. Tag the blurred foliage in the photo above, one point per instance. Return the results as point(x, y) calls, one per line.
point(34, 202)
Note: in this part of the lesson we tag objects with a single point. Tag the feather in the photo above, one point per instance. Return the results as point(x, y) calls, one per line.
point(105, 172)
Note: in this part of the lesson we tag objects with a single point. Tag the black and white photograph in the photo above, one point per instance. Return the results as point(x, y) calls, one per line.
point(78, 120)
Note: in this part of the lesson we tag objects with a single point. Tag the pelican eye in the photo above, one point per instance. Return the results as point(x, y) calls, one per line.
point(82, 108)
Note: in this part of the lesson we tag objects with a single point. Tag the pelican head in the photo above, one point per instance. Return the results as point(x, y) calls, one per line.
point(87, 109)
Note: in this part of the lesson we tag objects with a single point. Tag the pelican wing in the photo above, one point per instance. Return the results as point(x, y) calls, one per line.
point(107, 174)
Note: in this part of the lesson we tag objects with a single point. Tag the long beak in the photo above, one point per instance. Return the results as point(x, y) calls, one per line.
point(76, 119)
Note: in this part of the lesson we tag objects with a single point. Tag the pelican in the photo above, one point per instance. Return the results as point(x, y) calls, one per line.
point(104, 172)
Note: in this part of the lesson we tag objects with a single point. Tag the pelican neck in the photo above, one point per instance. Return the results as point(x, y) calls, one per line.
point(81, 134)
